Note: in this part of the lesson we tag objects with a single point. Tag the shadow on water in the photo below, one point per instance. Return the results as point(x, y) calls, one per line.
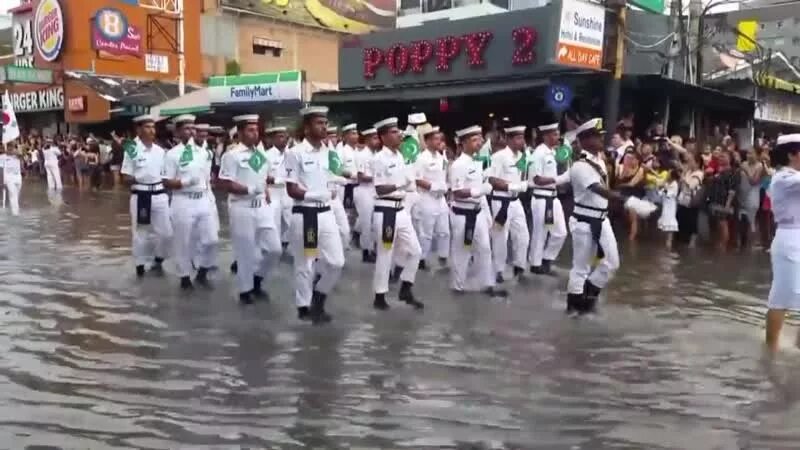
point(92, 358)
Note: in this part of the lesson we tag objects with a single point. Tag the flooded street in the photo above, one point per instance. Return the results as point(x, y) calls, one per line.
point(93, 358)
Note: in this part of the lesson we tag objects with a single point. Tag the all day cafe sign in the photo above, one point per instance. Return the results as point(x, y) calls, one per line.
point(256, 88)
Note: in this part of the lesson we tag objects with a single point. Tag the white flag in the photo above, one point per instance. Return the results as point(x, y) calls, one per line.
point(10, 125)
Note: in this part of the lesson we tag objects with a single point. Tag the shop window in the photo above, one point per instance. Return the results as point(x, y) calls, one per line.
point(411, 5)
point(796, 40)
point(263, 46)
point(779, 42)
point(437, 5)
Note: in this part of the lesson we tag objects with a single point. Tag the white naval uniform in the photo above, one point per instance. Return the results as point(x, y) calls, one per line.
point(192, 218)
point(336, 183)
point(208, 254)
point(584, 246)
point(470, 266)
point(308, 168)
point(431, 214)
point(389, 168)
point(784, 191)
point(504, 167)
point(145, 167)
point(546, 240)
point(12, 180)
point(254, 235)
point(364, 198)
point(281, 203)
point(51, 155)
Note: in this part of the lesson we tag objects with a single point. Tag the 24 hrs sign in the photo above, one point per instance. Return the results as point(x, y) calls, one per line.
point(23, 42)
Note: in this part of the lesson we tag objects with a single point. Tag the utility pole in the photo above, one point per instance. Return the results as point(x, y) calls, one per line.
point(618, 10)
point(181, 51)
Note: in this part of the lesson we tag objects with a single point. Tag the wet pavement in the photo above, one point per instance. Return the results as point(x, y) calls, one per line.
point(92, 358)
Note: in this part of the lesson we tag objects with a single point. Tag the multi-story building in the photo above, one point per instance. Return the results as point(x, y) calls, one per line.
point(416, 12)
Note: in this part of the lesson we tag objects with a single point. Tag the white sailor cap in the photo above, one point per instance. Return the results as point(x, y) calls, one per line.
point(425, 129)
point(519, 129)
point(216, 129)
point(549, 127)
point(369, 131)
point(332, 130)
point(318, 110)
point(144, 119)
point(417, 119)
point(246, 118)
point(593, 126)
point(349, 127)
point(275, 130)
point(91, 140)
point(202, 127)
point(183, 118)
point(385, 123)
point(788, 139)
point(464, 132)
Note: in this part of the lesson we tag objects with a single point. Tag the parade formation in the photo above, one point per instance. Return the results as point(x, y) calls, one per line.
point(404, 207)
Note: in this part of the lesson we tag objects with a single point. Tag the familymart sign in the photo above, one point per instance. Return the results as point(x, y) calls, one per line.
point(256, 88)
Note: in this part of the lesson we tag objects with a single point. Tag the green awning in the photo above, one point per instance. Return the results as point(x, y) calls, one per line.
point(194, 102)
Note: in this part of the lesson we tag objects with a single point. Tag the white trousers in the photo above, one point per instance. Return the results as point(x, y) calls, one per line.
point(342, 222)
point(584, 250)
point(364, 198)
point(193, 226)
point(154, 239)
point(405, 250)
point(471, 268)
point(207, 254)
point(281, 205)
point(255, 242)
point(546, 240)
point(329, 257)
point(516, 227)
point(432, 223)
point(13, 188)
point(53, 176)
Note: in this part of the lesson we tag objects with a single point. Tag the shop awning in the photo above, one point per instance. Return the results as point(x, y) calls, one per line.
point(194, 102)
point(427, 92)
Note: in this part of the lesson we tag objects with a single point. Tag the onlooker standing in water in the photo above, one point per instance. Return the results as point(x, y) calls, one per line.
point(690, 198)
point(51, 154)
point(721, 197)
point(93, 166)
point(668, 222)
point(784, 294)
point(630, 182)
point(752, 171)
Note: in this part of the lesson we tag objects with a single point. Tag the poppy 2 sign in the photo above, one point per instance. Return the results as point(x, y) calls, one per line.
point(48, 29)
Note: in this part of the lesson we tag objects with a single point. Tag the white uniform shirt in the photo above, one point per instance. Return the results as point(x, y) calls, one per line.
point(186, 162)
point(307, 167)
point(466, 173)
point(245, 166)
point(543, 164)
point(784, 192)
point(12, 168)
point(277, 169)
point(145, 165)
point(51, 155)
point(209, 158)
point(582, 175)
point(389, 167)
point(504, 165)
point(432, 166)
point(347, 155)
point(363, 160)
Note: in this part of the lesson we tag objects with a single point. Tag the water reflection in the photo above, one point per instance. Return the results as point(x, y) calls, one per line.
point(91, 358)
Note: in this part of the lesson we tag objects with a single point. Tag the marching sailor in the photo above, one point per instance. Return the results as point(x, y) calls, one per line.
point(205, 255)
point(254, 234)
point(505, 173)
point(314, 235)
point(332, 137)
point(364, 194)
point(51, 154)
point(281, 202)
point(471, 251)
point(431, 211)
point(11, 167)
point(549, 227)
point(592, 234)
point(391, 221)
point(784, 191)
point(347, 154)
point(142, 166)
point(186, 173)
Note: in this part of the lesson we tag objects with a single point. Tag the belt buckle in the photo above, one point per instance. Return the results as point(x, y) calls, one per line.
point(255, 203)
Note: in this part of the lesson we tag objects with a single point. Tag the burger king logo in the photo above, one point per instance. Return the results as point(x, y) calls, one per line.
point(48, 28)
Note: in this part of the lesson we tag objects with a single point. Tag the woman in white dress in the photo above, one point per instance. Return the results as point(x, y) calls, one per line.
point(668, 222)
point(784, 295)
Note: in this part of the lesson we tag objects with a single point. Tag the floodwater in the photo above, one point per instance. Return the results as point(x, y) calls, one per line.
point(90, 357)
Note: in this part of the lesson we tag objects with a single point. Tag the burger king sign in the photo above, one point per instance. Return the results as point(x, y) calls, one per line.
point(48, 29)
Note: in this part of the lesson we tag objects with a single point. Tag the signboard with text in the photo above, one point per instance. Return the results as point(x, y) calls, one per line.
point(113, 35)
point(256, 88)
point(509, 44)
point(49, 99)
point(581, 34)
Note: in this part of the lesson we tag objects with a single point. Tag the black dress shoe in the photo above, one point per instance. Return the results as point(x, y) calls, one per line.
point(575, 302)
point(367, 257)
point(499, 279)
point(546, 266)
point(303, 313)
point(245, 298)
point(317, 310)
point(422, 265)
point(186, 283)
point(591, 294)
point(537, 270)
point(394, 277)
point(518, 272)
point(140, 271)
point(257, 291)
point(202, 277)
point(380, 302)
point(406, 295)
point(496, 293)
point(158, 266)
point(234, 267)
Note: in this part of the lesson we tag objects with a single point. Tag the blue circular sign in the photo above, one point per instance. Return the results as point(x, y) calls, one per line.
point(559, 97)
point(111, 24)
